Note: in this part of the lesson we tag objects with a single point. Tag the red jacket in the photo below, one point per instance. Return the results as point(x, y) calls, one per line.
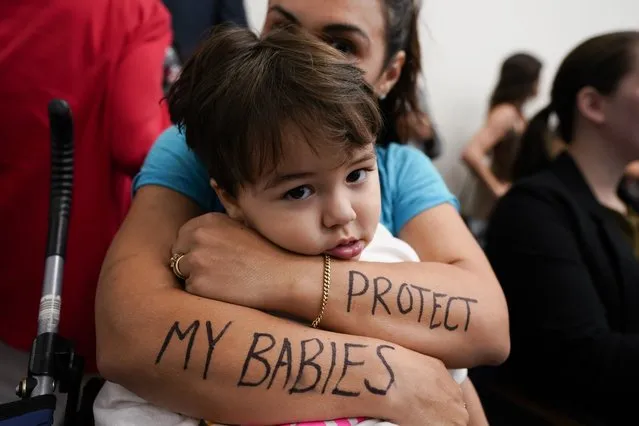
point(104, 57)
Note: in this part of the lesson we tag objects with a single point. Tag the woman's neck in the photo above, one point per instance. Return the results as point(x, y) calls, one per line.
point(602, 168)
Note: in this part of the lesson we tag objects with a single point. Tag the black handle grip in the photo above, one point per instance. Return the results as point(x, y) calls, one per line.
point(61, 124)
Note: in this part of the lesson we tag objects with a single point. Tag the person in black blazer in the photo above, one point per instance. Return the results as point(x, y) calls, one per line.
point(563, 243)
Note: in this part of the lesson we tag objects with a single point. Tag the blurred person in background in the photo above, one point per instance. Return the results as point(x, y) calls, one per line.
point(105, 58)
point(564, 243)
point(192, 20)
point(491, 153)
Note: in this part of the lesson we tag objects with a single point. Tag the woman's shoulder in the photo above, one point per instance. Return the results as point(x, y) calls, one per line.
point(561, 182)
point(505, 111)
point(401, 167)
point(171, 164)
point(535, 199)
point(505, 116)
point(410, 185)
point(395, 155)
point(542, 187)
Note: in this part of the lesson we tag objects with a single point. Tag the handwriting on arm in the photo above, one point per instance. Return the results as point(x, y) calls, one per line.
point(410, 300)
point(310, 365)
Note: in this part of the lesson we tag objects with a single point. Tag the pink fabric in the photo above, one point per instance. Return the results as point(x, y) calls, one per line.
point(337, 422)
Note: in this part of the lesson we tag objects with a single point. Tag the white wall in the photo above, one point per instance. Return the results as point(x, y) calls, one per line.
point(464, 42)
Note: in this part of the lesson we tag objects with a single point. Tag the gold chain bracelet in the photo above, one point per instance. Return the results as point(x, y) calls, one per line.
point(325, 289)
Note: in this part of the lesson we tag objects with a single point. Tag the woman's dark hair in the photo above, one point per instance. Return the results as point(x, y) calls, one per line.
point(517, 80)
point(402, 34)
point(601, 63)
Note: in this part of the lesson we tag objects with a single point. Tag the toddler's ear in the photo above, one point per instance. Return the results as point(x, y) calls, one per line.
point(233, 209)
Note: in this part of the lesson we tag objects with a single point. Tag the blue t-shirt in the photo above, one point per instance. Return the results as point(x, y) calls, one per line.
point(410, 183)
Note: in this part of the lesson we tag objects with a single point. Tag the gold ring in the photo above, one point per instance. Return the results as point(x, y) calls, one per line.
point(175, 265)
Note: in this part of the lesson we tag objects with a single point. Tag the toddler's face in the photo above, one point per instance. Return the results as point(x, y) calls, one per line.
point(314, 202)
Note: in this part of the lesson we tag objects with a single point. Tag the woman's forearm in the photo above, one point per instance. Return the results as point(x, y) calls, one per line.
point(435, 309)
point(230, 364)
point(235, 365)
point(197, 356)
point(451, 308)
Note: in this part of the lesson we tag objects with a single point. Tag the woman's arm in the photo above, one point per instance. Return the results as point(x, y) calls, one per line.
point(500, 121)
point(230, 364)
point(450, 306)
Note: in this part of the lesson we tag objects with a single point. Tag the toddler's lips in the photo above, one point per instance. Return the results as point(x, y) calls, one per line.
point(348, 250)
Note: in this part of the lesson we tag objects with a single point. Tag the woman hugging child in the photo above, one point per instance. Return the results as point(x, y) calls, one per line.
point(299, 168)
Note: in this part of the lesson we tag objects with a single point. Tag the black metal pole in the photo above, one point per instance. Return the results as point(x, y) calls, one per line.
point(43, 355)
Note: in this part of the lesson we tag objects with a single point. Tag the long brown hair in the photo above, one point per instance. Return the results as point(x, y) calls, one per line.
point(402, 33)
point(518, 77)
point(600, 62)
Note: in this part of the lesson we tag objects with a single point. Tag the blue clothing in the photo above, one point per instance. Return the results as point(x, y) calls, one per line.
point(410, 183)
